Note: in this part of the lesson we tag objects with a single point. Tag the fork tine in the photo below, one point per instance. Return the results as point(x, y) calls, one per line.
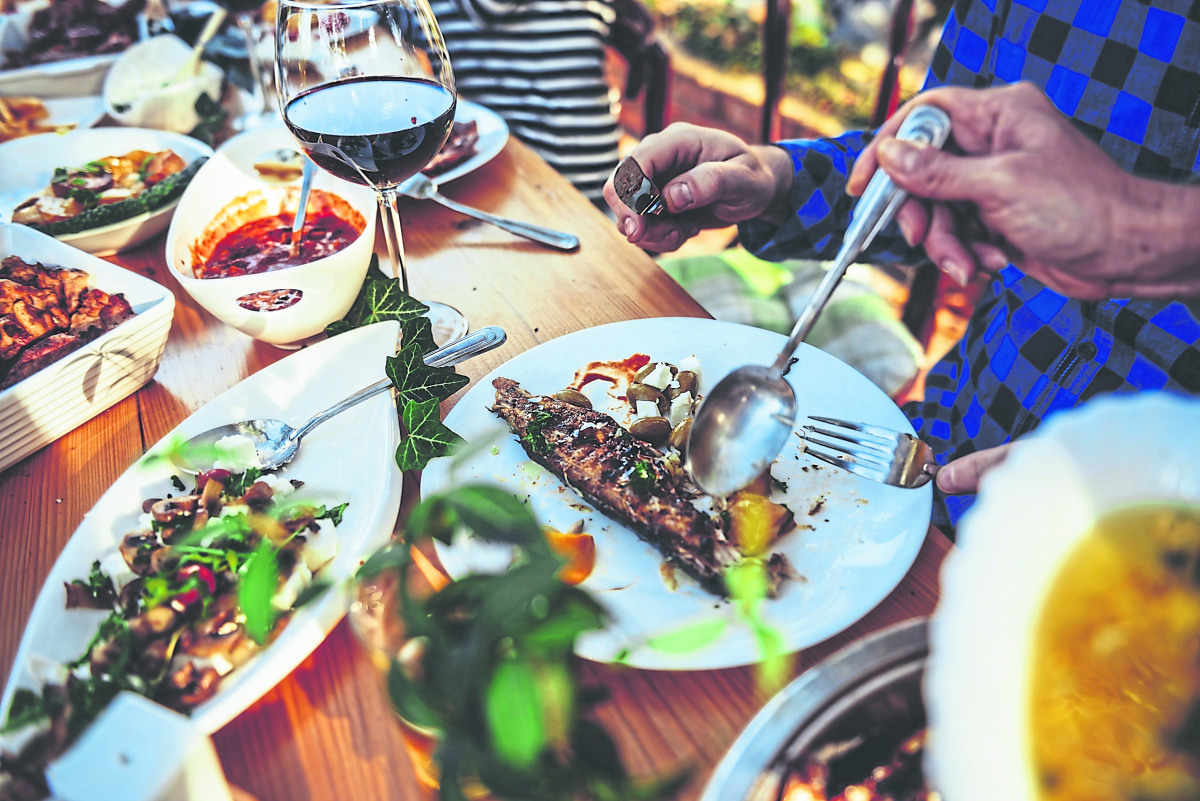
point(858, 468)
point(866, 428)
point(869, 455)
point(870, 442)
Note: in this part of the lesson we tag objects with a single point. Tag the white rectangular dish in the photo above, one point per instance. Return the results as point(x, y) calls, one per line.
point(40, 409)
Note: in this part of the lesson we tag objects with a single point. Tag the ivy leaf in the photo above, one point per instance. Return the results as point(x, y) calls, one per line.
point(312, 592)
point(256, 590)
point(380, 298)
point(394, 557)
point(514, 714)
point(420, 331)
point(594, 746)
point(426, 437)
point(417, 381)
point(407, 701)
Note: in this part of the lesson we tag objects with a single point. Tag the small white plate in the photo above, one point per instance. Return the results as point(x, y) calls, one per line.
point(71, 77)
point(246, 148)
point(349, 458)
point(82, 112)
point(854, 542)
point(76, 388)
point(493, 136)
point(1031, 513)
point(29, 162)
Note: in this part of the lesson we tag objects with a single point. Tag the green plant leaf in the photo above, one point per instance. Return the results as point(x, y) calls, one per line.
point(494, 514)
point(425, 437)
point(416, 381)
point(380, 298)
point(407, 701)
point(420, 331)
point(575, 615)
point(312, 592)
point(256, 589)
point(595, 747)
point(394, 556)
point(687, 639)
point(513, 709)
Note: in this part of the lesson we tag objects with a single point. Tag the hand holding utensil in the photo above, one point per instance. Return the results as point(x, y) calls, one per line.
point(276, 443)
point(421, 187)
point(747, 418)
point(880, 454)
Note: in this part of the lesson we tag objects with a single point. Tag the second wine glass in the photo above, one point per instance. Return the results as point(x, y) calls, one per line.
point(367, 91)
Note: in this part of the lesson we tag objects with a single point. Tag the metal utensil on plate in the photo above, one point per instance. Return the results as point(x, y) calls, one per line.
point(302, 204)
point(874, 452)
point(276, 443)
point(421, 187)
point(748, 416)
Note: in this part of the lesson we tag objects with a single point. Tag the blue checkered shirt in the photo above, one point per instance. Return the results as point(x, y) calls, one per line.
point(1128, 75)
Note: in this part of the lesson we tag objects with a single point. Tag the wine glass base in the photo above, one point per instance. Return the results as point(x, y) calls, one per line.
point(448, 323)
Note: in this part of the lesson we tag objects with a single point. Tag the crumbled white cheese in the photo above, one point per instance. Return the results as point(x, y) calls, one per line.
point(647, 409)
point(144, 521)
point(281, 486)
point(319, 546)
point(691, 364)
point(237, 454)
point(299, 578)
point(229, 510)
point(681, 408)
point(659, 377)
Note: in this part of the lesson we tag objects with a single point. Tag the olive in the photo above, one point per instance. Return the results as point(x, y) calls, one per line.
point(573, 397)
point(687, 383)
point(641, 392)
point(654, 430)
point(679, 436)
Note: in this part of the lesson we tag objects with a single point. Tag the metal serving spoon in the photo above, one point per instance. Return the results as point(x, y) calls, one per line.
point(422, 188)
point(276, 443)
point(302, 205)
point(747, 418)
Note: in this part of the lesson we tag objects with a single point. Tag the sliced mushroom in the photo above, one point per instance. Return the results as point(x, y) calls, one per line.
point(170, 510)
point(153, 623)
point(202, 687)
point(137, 550)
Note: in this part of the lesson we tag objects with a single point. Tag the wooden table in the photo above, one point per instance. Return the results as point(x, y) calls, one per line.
point(326, 732)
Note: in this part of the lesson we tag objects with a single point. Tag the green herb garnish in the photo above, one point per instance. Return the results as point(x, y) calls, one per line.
point(533, 437)
point(99, 586)
point(641, 477)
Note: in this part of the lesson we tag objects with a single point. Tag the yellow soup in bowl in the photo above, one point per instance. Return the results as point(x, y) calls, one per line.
point(1116, 666)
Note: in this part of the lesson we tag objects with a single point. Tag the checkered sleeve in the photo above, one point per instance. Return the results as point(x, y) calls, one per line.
point(822, 207)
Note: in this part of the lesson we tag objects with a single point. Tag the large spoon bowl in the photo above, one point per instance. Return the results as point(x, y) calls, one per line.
point(740, 428)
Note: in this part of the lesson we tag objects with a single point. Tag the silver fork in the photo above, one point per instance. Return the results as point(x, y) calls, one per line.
point(874, 452)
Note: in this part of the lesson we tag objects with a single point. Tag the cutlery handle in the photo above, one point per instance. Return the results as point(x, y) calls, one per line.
point(461, 349)
point(546, 236)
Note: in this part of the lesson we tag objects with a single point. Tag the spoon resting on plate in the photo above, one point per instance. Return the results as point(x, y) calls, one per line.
point(748, 416)
point(276, 443)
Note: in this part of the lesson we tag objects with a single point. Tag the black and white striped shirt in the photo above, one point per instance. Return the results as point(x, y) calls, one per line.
point(539, 64)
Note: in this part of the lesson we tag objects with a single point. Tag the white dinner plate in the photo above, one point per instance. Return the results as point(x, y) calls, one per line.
point(70, 77)
point(350, 458)
point(493, 135)
point(82, 112)
point(27, 164)
point(246, 148)
point(855, 539)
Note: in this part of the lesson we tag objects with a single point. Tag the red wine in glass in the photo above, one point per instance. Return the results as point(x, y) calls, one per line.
point(373, 130)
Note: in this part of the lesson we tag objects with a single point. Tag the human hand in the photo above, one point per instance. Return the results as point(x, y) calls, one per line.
point(1031, 189)
point(962, 476)
point(708, 179)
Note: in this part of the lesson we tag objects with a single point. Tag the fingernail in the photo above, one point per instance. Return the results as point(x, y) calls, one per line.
point(680, 196)
point(898, 155)
point(906, 230)
point(955, 270)
point(629, 226)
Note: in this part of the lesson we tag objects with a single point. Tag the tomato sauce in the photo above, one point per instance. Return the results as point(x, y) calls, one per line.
point(264, 245)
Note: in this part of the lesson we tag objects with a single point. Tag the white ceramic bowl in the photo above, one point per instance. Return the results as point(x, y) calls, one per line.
point(27, 164)
point(1031, 513)
point(134, 90)
point(328, 285)
point(40, 409)
point(72, 77)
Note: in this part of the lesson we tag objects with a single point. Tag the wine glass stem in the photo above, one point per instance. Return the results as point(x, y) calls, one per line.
point(246, 23)
point(389, 213)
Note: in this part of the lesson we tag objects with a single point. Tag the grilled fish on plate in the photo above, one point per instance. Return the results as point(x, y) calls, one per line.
point(626, 479)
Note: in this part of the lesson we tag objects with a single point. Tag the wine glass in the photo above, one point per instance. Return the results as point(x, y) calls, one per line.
point(367, 91)
point(243, 12)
